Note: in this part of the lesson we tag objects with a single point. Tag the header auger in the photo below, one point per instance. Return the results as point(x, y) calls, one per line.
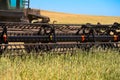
point(32, 31)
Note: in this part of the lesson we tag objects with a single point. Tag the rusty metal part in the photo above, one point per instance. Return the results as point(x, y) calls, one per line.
point(58, 37)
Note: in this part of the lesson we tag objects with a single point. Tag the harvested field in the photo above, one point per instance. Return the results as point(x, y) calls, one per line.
point(79, 19)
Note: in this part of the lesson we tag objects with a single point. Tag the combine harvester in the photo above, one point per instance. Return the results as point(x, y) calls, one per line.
point(23, 28)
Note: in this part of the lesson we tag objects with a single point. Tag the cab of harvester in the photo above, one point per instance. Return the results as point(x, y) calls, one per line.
point(19, 11)
point(11, 10)
point(11, 4)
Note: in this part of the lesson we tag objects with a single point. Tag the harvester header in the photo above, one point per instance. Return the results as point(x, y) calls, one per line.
point(21, 24)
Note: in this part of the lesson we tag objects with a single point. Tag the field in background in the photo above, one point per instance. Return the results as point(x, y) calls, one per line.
point(79, 19)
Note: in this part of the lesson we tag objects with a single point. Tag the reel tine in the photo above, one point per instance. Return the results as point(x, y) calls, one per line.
point(62, 47)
